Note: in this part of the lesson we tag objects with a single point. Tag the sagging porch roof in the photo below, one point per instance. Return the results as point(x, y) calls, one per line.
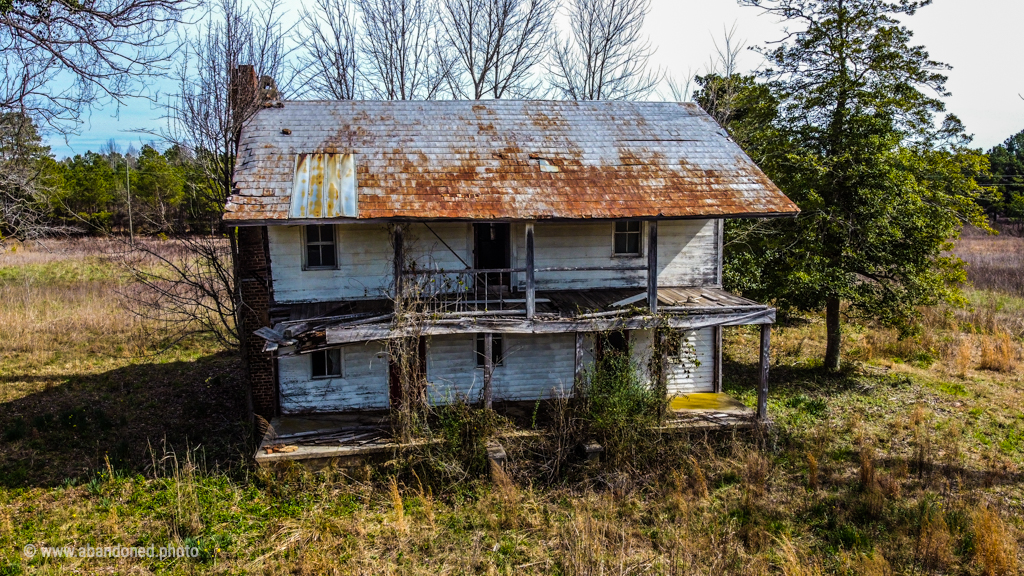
point(315, 326)
point(502, 160)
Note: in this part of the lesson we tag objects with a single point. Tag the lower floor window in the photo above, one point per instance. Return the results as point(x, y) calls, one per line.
point(496, 350)
point(327, 363)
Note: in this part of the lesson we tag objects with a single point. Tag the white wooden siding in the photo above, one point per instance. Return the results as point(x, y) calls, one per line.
point(365, 259)
point(427, 250)
point(687, 255)
point(363, 385)
point(534, 366)
point(364, 268)
point(684, 374)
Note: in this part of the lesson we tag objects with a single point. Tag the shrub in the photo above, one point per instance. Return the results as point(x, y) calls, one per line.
point(618, 407)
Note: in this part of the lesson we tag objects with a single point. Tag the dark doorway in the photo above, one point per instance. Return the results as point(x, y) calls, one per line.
point(616, 342)
point(491, 250)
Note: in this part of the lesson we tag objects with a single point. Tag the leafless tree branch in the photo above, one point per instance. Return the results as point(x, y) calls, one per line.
point(404, 59)
point(328, 67)
point(604, 56)
point(497, 44)
point(61, 56)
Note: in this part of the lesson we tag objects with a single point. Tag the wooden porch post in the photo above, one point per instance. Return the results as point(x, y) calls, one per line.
point(762, 391)
point(578, 370)
point(718, 359)
point(399, 260)
point(531, 300)
point(652, 266)
point(488, 369)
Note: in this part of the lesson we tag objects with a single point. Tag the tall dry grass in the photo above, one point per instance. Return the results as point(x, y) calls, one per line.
point(994, 262)
point(61, 298)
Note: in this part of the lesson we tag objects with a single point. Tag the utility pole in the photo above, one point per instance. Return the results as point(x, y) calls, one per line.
point(128, 185)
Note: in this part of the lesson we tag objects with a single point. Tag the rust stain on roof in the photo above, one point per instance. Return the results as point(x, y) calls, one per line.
point(507, 160)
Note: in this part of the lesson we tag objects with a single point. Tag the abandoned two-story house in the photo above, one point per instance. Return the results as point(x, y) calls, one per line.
point(514, 231)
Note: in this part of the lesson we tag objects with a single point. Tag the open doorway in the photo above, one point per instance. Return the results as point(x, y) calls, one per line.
point(492, 249)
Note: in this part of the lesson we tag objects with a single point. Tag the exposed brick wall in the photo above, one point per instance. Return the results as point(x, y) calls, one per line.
point(256, 295)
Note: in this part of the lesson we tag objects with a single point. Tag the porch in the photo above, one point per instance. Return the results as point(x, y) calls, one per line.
point(357, 438)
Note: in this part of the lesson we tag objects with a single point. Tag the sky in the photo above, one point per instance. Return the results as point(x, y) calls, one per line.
point(978, 38)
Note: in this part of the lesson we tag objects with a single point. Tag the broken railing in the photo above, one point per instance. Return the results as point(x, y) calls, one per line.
point(471, 290)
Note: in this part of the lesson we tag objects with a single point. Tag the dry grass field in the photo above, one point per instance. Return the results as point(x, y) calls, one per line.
point(911, 461)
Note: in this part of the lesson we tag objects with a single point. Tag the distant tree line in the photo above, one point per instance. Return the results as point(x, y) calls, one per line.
point(107, 191)
point(1006, 179)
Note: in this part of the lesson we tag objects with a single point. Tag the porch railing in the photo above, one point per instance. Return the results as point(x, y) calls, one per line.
point(470, 290)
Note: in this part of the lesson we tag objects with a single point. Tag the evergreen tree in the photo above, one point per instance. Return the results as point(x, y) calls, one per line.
point(855, 144)
point(1008, 177)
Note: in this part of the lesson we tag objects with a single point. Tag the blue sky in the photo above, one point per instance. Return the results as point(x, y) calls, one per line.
point(979, 38)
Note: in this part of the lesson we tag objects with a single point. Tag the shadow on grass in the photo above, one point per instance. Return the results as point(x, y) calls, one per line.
point(69, 431)
point(788, 379)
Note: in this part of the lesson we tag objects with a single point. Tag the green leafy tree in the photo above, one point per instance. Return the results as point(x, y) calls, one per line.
point(855, 144)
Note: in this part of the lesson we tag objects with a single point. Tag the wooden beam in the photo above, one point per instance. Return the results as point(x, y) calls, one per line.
point(718, 359)
point(762, 390)
point(513, 325)
point(662, 361)
point(488, 369)
point(578, 370)
point(652, 266)
point(399, 264)
point(531, 286)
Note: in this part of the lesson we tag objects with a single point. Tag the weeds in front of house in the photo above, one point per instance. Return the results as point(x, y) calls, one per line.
point(902, 464)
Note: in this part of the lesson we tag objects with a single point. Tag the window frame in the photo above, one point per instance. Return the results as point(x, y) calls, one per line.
point(497, 349)
point(327, 376)
point(306, 244)
point(640, 239)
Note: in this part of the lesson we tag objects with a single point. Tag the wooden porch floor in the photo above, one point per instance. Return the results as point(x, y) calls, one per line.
point(353, 437)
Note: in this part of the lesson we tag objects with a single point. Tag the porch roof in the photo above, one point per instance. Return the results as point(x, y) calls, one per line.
point(313, 326)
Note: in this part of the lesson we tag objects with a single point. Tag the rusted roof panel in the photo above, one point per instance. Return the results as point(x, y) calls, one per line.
point(503, 159)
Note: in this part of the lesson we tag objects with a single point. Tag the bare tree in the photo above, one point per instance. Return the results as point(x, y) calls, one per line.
point(604, 56)
point(213, 101)
point(328, 66)
point(497, 44)
point(722, 82)
point(224, 77)
point(404, 59)
point(61, 56)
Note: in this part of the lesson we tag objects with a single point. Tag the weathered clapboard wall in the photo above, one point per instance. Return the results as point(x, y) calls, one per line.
point(535, 366)
point(365, 259)
point(364, 267)
point(363, 385)
point(691, 370)
point(687, 254)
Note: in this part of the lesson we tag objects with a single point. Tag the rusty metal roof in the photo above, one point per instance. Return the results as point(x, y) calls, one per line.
point(504, 159)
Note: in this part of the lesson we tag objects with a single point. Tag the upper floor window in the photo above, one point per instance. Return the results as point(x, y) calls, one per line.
point(320, 249)
point(326, 363)
point(627, 238)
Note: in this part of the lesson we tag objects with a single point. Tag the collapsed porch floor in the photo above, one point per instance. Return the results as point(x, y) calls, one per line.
point(352, 437)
